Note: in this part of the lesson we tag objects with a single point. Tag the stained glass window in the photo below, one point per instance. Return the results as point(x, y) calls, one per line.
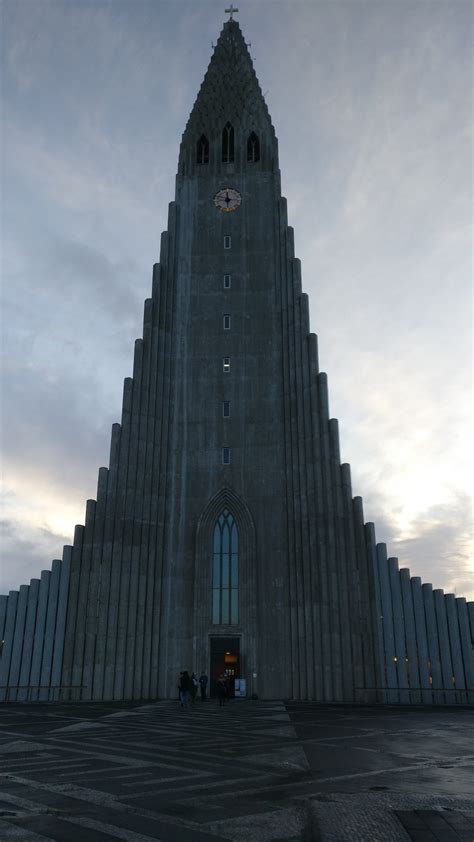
point(225, 570)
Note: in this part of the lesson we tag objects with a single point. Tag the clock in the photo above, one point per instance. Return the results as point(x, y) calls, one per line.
point(227, 199)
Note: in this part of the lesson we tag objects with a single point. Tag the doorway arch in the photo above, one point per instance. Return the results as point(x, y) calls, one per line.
point(246, 627)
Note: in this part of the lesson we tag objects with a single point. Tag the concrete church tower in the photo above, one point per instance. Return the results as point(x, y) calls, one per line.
point(225, 535)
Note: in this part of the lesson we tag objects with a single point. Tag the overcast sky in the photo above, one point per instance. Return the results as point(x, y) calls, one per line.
point(371, 102)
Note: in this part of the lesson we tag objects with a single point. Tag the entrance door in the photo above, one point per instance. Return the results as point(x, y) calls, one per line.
point(225, 660)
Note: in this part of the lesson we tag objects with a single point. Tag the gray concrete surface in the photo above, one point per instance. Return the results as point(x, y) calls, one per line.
point(254, 770)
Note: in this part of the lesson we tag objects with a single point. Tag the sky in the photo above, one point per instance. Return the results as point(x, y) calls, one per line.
point(371, 102)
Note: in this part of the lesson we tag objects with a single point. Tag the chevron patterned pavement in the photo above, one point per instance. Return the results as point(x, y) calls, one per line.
point(254, 770)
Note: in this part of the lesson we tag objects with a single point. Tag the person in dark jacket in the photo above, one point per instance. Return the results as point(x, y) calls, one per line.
point(203, 679)
point(222, 690)
point(184, 689)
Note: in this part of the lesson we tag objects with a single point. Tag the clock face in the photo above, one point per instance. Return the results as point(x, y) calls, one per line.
point(227, 199)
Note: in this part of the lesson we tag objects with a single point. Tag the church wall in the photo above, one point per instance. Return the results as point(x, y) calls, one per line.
point(255, 471)
point(428, 645)
point(33, 637)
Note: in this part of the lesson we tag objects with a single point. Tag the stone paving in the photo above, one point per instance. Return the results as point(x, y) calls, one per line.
point(254, 770)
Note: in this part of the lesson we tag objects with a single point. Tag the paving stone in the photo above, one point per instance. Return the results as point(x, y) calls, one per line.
point(411, 820)
point(153, 773)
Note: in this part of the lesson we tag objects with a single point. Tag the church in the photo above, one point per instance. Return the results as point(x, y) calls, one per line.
point(225, 537)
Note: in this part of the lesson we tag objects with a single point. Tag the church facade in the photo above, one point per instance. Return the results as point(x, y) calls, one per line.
point(225, 536)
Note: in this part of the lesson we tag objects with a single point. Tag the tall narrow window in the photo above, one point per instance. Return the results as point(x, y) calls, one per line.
point(228, 143)
point(227, 241)
point(225, 570)
point(227, 281)
point(226, 455)
point(226, 365)
point(226, 321)
point(202, 150)
point(253, 148)
point(226, 409)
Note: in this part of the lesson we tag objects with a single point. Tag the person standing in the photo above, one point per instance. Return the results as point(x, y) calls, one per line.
point(203, 679)
point(222, 690)
point(184, 689)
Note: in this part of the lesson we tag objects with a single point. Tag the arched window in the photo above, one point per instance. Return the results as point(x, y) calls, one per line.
point(202, 150)
point(253, 148)
point(225, 570)
point(228, 143)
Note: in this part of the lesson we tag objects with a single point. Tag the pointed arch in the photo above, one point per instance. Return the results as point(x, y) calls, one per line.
point(253, 147)
point(226, 498)
point(228, 143)
point(225, 570)
point(236, 532)
point(202, 150)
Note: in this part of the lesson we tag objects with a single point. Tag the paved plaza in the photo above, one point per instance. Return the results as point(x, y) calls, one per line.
point(252, 770)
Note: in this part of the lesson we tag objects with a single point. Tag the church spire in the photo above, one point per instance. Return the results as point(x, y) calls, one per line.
point(230, 96)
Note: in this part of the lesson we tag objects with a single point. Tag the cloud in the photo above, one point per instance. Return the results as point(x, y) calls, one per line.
point(371, 108)
point(25, 549)
point(440, 546)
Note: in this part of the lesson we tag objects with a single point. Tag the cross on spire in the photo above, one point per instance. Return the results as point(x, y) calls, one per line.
point(231, 11)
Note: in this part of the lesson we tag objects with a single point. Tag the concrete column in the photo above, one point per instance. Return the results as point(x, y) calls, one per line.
point(39, 633)
point(25, 667)
point(410, 636)
point(159, 472)
point(290, 245)
point(433, 643)
point(84, 599)
point(304, 459)
point(299, 666)
point(134, 517)
point(127, 619)
point(104, 587)
point(334, 612)
point(9, 634)
point(159, 642)
point(467, 649)
point(96, 541)
point(470, 611)
point(3, 615)
point(443, 639)
point(313, 354)
point(117, 565)
point(141, 524)
point(387, 619)
point(73, 595)
point(169, 643)
point(399, 630)
point(49, 632)
point(56, 671)
point(455, 647)
point(320, 551)
point(364, 633)
point(149, 508)
point(421, 641)
point(361, 638)
point(18, 639)
point(373, 576)
point(313, 596)
point(346, 591)
point(312, 609)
